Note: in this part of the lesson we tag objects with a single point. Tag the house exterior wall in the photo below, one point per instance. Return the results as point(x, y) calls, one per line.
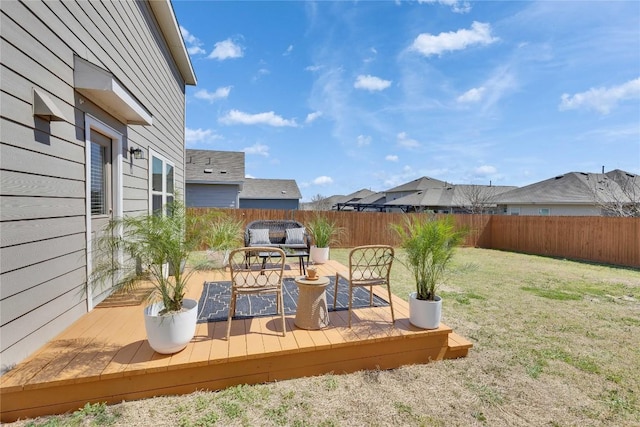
point(212, 195)
point(42, 164)
point(286, 204)
point(554, 210)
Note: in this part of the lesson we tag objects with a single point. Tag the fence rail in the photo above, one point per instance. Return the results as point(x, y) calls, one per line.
point(607, 240)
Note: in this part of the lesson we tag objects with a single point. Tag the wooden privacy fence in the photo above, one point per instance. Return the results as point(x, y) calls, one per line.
point(599, 239)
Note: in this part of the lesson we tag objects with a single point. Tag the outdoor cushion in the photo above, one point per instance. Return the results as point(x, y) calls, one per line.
point(259, 236)
point(295, 236)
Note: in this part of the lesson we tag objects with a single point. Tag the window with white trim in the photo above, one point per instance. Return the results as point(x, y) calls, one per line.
point(514, 211)
point(544, 211)
point(161, 182)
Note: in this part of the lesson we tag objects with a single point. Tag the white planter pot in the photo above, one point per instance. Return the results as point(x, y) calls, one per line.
point(218, 259)
point(424, 314)
point(319, 255)
point(171, 333)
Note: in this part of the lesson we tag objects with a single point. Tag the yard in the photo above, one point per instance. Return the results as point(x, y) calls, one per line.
point(556, 343)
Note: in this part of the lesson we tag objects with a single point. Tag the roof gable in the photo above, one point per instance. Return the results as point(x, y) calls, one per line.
point(214, 167)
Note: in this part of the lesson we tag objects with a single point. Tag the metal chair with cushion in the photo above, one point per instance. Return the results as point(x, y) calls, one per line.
point(256, 270)
point(369, 266)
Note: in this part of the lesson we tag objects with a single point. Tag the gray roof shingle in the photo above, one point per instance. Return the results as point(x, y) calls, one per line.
point(280, 189)
point(571, 188)
point(214, 167)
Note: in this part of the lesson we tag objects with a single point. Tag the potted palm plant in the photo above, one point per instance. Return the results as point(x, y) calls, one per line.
point(324, 233)
point(428, 245)
point(223, 233)
point(140, 249)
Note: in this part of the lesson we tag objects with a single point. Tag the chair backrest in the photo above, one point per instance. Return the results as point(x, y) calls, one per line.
point(371, 262)
point(257, 267)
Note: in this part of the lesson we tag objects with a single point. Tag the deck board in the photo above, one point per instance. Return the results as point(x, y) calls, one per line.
point(104, 356)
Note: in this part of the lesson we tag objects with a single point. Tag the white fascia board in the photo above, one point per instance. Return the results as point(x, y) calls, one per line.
point(168, 23)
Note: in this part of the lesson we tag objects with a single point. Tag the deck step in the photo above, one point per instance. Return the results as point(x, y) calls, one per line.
point(458, 346)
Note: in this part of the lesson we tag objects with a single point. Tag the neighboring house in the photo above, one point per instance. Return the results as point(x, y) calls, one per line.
point(270, 194)
point(576, 194)
point(214, 179)
point(410, 188)
point(92, 127)
point(451, 199)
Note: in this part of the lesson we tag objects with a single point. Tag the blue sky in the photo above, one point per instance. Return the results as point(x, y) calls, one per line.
point(342, 96)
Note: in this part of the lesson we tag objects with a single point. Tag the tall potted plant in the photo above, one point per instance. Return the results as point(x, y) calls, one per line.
point(223, 233)
point(324, 233)
point(428, 245)
point(138, 249)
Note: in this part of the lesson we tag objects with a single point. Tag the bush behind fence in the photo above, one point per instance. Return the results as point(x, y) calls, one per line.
point(606, 240)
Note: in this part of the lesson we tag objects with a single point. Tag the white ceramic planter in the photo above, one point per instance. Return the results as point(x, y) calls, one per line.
point(171, 333)
point(424, 314)
point(319, 255)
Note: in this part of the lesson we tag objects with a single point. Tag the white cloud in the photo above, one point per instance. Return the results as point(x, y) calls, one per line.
point(371, 83)
point(192, 42)
point(288, 51)
point(196, 50)
point(457, 6)
point(472, 95)
point(269, 118)
point(323, 180)
point(313, 68)
point(220, 93)
point(391, 158)
point(193, 136)
point(485, 170)
point(363, 140)
point(312, 117)
point(601, 99)
point(258, 149)
point(226, 49)
point(406, 142)
point(428, 44)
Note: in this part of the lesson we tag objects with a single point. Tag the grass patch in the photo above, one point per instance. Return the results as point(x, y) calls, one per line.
point(555, 294)
point(461, 297)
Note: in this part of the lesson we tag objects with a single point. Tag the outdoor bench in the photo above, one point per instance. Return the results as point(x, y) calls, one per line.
point(289, 235)
point(280, 233)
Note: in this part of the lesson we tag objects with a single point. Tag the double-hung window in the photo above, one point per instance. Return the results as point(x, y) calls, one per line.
point(161, 182)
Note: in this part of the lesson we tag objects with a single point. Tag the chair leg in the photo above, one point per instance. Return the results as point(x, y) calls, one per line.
point(281, 304)
point(393, 318)
point(232, 311)
point(350, 298)
point(335, 294)
point(370, 296)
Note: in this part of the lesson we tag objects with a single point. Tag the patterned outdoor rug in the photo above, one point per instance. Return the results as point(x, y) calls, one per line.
point(213, 305)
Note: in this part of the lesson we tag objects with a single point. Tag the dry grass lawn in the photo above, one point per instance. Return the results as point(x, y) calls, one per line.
point(556, 343)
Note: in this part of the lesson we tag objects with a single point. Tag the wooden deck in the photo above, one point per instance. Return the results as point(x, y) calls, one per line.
point(104, 356)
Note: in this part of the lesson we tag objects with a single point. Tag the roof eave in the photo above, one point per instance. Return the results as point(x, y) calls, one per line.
point(163, 12)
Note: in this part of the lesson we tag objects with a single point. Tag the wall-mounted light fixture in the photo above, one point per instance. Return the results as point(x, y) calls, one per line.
point(137, 153)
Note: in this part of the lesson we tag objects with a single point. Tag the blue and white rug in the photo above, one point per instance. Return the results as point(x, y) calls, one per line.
point(213, 305)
